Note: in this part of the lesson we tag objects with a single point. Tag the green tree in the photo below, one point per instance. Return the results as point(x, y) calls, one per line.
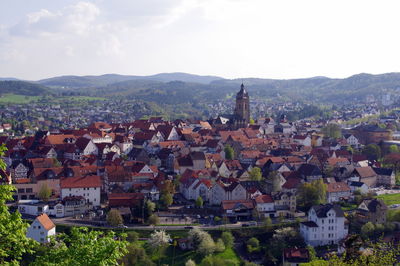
point(267, 222)
point(166, 199)
point(154, 219)
point(13, 241)
point(310, 194)
point(84, 247)
point(229, 152)
point(367, 230)
point(219, 245)
point(136, 255)
point(44, 192)
point(228, 239)
point(253, 245)
point(255, 174)
point(150, 207)
point(332, 131)
point(199, 202)
point(114, 218)
point(372, 151)
point(393, 149)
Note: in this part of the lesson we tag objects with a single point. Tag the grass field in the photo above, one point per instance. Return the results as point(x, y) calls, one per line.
point(14, 98)
point(390, 199)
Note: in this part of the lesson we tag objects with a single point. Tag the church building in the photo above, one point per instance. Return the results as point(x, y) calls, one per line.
point(241, 115)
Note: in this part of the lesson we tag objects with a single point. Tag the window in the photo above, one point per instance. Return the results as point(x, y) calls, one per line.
point(21, 190)
point(29, 190)
point(39, 227)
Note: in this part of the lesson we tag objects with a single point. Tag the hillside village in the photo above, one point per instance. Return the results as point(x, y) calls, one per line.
point(209, 173)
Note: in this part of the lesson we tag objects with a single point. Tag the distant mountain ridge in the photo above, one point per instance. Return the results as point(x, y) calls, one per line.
point(107, 79)
point(23, 88)
point(177, 88)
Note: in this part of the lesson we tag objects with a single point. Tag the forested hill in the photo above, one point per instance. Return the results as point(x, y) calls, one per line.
point(107, 79)
point(177, 88)
point(23, 88)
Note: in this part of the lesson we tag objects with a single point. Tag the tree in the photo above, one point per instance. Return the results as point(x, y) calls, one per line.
point(253, 245)
point(393, 149)
point(150, 207)
point(367, 230)
point(228, 239)
point(154, 219)
point(310, 194)
point(84, 247)
point(132, 236)
point(372, 151)
point(229, 152)
point(267, 222)
point(166, 199)
point(332, 131)
point(202, 241)
point(190, 262)
point(159, 239)
point(114, 218)
point(273, 178)
point(199, 202)
point(136, 255)
point(219, 245)
point(44, 192)
point(13, 241)
point(255, 174)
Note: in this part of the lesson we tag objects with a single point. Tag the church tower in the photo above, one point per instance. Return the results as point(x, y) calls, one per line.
point(242, 108)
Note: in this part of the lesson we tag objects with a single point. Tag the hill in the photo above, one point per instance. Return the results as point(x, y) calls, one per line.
point(23, 88)
point(107, 79)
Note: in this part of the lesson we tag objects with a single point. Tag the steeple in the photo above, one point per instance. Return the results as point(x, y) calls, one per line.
point(242, 93)
point(242, 108)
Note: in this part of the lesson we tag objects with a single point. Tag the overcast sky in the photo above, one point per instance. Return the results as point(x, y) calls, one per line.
point(228, 38)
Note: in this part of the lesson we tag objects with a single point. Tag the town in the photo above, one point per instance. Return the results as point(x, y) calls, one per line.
point(310, 183)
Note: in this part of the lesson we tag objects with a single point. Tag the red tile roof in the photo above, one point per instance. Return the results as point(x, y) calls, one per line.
point(45, 221)
point(81, 182)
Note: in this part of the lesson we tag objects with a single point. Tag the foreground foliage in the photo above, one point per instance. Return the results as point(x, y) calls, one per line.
point(84, 247)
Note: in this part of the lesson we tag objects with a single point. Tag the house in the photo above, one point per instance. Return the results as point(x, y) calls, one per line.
point(302, 140)
point(295, 256)
point(366, 175)
point(41, 229)
point(358, 186)
point(372, 210)
point(351, 140)
point(32, 207)
point(337, 191)
point(87, 187)
point(326, 225)
point(386, 177)
point(237, 209)
point(265, 205)
point(285, 203)
point(309, 172)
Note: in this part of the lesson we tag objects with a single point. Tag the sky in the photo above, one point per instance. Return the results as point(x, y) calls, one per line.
point(228, 38)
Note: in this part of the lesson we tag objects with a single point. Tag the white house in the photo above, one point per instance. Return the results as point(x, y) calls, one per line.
point(355, 185)
point(32, 207)
point(325, 225)
point(337, 191)
point(352, 140)
point(265, 205)
point(302, 140)
point(87, 187)
point(41, 229)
